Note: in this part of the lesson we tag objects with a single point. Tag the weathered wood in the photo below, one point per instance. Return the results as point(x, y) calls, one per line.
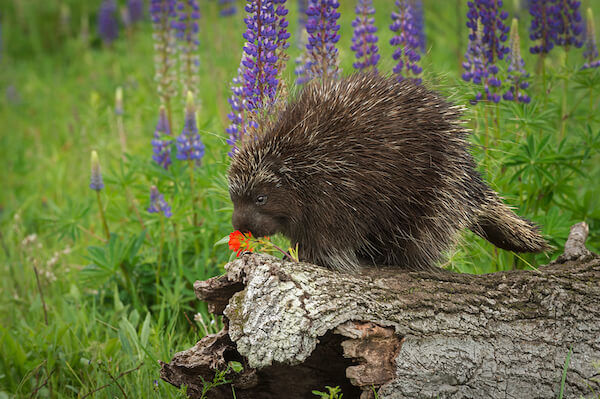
point(298, 327)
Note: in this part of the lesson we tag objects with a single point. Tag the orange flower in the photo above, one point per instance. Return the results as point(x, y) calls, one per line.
point(240, 242)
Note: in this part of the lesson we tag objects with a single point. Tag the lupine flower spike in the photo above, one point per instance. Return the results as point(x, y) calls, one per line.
point(322, 28)
point(488, 33)
point(407, 41)
point(135, 10)
point(227, 8)
point(189, 143)
point(158, 203)
point(255, 87)
point(420, 23)
point(108, 26)
point(556, 22)
point(591, 49)
point(164, 50)
point(161, 145)
point(571, 26)
point(364, 41)
point(186, 31)
point(96, 184)
point(517, 75)
point(119, 114)
point(265, 33)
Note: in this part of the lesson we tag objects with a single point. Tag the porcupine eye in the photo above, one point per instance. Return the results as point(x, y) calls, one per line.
point(261, 200)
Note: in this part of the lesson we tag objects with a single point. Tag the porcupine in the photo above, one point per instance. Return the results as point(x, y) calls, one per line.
point(369, 170)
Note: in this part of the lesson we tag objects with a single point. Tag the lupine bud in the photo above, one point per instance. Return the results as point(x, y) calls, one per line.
point(96, 182)
point(119, 101)
point(517, 75)
point(189, 144)
point(158, 203)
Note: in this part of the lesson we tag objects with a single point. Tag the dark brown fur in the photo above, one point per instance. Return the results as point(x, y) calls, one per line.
point(367, 169)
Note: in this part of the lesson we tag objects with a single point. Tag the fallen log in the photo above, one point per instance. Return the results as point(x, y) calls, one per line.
point(297, 327)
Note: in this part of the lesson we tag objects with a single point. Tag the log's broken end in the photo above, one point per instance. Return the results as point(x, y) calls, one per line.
point(575, 246)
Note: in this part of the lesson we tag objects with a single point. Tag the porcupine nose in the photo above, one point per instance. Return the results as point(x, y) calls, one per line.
point(240, 222)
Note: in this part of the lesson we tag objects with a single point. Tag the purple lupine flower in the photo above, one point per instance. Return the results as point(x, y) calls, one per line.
point(488, 33)
point(544, 25)
point(591, 48)
point(189, 144)
point(108, 26)
point(554, 22)
point(227, 8)
point(164, 47)
point(517, 75)
point(158, 203)
point(256, 83)
point(186, 29)
point(96, 182)
point(260, 72)
point(419, 14)
point(161, 145)
point(571, 26)
point(136, 10)
point(364, 39)
point(322, 29)
point(407, 40)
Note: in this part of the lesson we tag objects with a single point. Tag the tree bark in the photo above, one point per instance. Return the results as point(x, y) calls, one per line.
point(297, 327)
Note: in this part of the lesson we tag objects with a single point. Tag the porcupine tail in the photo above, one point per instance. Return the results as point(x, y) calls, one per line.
point(498, 224)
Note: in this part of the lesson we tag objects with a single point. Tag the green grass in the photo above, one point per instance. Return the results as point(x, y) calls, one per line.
point(99, 326)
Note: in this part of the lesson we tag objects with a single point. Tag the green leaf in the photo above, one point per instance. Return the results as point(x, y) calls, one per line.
point(145, 333)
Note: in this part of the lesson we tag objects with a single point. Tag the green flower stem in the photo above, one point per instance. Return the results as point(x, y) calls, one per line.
point(563, 111)
point(160, 250)
point(591, 104)
point(130, 288)
point(195, 211)
point(104, 224)
point(122, 138)
point(167, 101)
point(284, 252)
